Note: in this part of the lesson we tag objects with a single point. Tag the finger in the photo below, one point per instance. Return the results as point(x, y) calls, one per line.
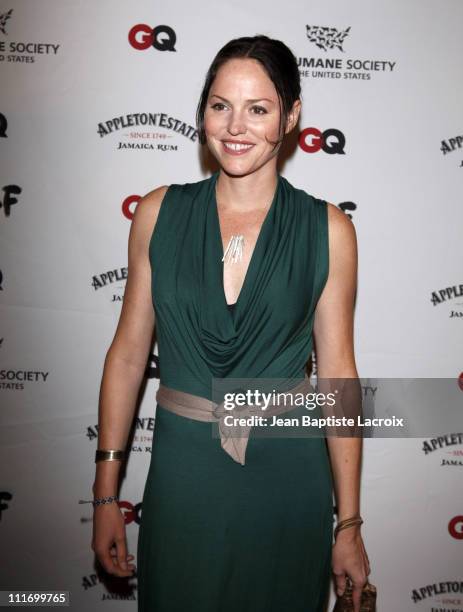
point(356, 597)
point(130, 566)
point(340, 580)
point(116, 569)
point(113, 553)
point(121, 547)
point(106, 561)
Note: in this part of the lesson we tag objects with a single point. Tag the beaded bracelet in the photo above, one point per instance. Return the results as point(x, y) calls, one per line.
point(99, 501)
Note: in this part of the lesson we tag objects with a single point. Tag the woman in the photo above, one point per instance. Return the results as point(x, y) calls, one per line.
point(226, 527)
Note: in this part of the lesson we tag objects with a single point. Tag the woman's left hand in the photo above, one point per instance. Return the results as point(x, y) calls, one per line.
point(350, 558)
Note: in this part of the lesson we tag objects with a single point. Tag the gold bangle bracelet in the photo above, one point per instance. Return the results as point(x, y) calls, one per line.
point(350, 522)
point(109, 455)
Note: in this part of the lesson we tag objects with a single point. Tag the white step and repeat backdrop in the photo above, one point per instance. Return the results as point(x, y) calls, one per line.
point(93, 115)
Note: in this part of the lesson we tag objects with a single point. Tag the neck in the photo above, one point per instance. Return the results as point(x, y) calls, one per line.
point(248, 192)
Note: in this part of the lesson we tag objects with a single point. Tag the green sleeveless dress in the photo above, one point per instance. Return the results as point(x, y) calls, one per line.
point(215, 535)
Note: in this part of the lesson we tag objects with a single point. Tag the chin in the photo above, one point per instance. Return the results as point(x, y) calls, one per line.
point(237, 166)
point(235, 169)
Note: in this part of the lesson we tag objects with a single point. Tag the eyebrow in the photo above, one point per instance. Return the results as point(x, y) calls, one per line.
point(250, 100)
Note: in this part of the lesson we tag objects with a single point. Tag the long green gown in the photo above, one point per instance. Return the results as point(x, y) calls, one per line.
point(215, 535)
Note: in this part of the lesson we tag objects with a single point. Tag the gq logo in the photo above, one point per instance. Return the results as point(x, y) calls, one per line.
point(161, 37)
point(128, 206)
point(130, 512)
point(332, 141)
point(455, 527)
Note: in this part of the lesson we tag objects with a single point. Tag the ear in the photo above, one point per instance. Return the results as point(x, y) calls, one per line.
point(293, 116)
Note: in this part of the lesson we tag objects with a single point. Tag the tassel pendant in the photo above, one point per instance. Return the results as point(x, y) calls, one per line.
point(234, 250)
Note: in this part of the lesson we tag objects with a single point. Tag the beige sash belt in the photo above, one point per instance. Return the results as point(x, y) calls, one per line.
point(234, 438)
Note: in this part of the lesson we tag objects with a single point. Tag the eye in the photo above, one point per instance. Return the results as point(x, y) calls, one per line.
point(259, 110)
point(214, 106)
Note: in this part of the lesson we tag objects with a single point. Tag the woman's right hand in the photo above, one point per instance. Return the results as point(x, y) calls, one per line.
point(109, 540)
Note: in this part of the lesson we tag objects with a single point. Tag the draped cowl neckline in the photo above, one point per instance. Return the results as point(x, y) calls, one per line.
point(224, 330)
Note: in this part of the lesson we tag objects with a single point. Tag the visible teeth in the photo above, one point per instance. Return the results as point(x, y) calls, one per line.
point(237, 146)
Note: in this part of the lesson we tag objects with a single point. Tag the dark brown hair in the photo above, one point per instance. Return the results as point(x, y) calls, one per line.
point(278, 62)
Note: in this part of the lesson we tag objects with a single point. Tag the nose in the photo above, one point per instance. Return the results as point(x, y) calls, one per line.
point(236, 124)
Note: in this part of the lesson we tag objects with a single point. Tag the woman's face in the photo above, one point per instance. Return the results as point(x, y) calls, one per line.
point(242, 114)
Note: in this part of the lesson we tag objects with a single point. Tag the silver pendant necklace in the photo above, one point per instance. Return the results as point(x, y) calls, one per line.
point(234, 251)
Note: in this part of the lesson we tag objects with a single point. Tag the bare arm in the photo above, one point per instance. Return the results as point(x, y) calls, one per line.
point(333, 330)
point(127, 356)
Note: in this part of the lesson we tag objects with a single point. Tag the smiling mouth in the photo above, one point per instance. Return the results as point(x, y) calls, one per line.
point(236, 148)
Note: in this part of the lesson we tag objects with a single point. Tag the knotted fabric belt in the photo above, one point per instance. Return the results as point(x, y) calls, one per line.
point(234, 438)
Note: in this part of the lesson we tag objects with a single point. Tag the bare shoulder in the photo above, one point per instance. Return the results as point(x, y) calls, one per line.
point(342, 234)
point(145, 218)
